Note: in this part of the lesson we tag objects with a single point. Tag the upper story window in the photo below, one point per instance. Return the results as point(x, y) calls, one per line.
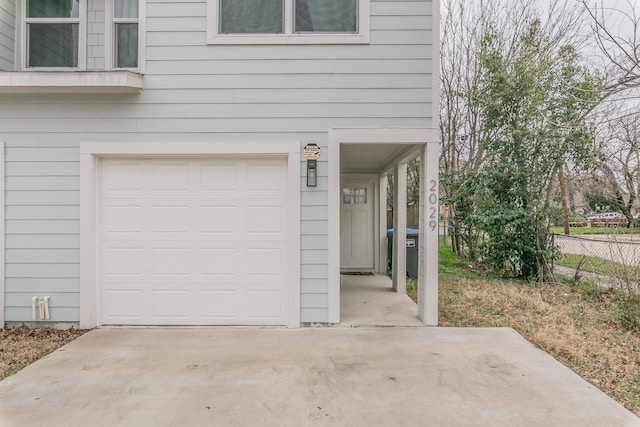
point(51, 36)
point(253, 17)
point(125, 33)
point(52, 33)
point(326, 16)
point(288, 21)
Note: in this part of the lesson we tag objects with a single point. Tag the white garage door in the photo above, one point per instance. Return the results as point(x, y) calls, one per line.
point(193, 241)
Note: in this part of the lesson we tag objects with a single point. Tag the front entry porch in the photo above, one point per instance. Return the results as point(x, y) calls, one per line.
point(369, 300)
point(359, 162)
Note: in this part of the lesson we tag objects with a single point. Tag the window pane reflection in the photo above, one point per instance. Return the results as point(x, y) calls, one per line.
point(354, 196)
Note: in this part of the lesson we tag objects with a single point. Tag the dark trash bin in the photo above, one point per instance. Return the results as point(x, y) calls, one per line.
point(412, 251)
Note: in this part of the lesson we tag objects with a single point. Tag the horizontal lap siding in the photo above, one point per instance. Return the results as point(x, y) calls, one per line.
point(96, 16)
point(7, 35)
point(213, 93)
point(42, 229)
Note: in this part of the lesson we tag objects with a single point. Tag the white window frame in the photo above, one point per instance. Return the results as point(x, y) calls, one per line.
point(110, 34)
point(21, 43)
point(289, 36)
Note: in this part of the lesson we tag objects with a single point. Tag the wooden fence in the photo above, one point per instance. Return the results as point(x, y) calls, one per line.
point(413, 217)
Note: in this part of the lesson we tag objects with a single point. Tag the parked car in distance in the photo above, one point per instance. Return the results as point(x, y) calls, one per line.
point(605, 215)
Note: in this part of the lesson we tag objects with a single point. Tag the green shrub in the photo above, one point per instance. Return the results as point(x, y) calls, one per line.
point(629, 313)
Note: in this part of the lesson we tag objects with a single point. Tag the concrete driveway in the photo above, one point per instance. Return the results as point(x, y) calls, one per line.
point(401, 376)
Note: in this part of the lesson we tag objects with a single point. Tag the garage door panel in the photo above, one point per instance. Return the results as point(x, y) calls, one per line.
point(123, 218)
point(218, 305)
point(221, 176)
point(122, 177)
point(171, 304)
point(170, 218)
point(170, 176)
point(175, 306)
point(264, 304)
point(264, 262)
point(123, 261)
point(199, 241)
point(218, 261)
point(265, 178)
point(264, 219)
point(219, 219)
point(123, 304)
point(171, 262)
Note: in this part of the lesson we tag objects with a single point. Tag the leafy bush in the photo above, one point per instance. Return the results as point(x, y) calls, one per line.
point(532, 101)
point(629, 314)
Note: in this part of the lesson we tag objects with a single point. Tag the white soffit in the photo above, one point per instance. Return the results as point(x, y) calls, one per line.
point(369, 157)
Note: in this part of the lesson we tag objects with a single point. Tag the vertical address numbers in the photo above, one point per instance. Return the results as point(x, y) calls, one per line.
point(433, 204)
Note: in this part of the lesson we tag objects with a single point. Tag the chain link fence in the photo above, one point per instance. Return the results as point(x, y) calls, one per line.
point(611, 260)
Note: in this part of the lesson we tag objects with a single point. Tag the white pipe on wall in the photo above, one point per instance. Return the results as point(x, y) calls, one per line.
point(34, 301)
point(46, 307)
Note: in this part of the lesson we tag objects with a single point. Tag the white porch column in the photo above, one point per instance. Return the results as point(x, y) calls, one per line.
point(399, 276)
point(382, 232)
point(2, 230)
point(428, 251)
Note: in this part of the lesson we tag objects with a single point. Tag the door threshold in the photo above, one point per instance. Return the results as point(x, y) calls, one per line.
point(356, 273)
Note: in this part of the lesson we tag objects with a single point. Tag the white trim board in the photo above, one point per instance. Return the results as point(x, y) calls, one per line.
point(70, 82)
point(2, 231)
point(90, 155)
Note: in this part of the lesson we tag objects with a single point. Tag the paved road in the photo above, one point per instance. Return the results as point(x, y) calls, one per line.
point(624, 252)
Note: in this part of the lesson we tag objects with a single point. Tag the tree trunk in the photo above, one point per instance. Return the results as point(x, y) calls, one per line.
point(565, 209)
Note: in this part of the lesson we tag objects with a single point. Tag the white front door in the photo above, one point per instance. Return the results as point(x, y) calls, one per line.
point(357, 226)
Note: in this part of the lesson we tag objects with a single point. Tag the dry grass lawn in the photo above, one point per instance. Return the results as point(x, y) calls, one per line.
point(22, 346)
point(578, 325)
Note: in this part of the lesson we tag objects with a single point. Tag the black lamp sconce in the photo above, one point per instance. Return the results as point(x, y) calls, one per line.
point(312, 173)
point(311, 152)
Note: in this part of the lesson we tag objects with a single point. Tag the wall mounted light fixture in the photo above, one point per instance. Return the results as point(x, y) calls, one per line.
point(312, 173)
point(311, 152)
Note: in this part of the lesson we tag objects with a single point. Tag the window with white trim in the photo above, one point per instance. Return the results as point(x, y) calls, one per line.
point(288, 21)
point(52, 36)
point(125, 33)
point(251, 17)
point(325, 16)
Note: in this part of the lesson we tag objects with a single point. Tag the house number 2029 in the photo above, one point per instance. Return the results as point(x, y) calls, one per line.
point(433, 204)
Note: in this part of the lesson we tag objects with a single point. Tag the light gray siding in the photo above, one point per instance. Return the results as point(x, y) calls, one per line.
point(212, 93)
point(95, 34)
point(42, 229)
point(7, 35)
